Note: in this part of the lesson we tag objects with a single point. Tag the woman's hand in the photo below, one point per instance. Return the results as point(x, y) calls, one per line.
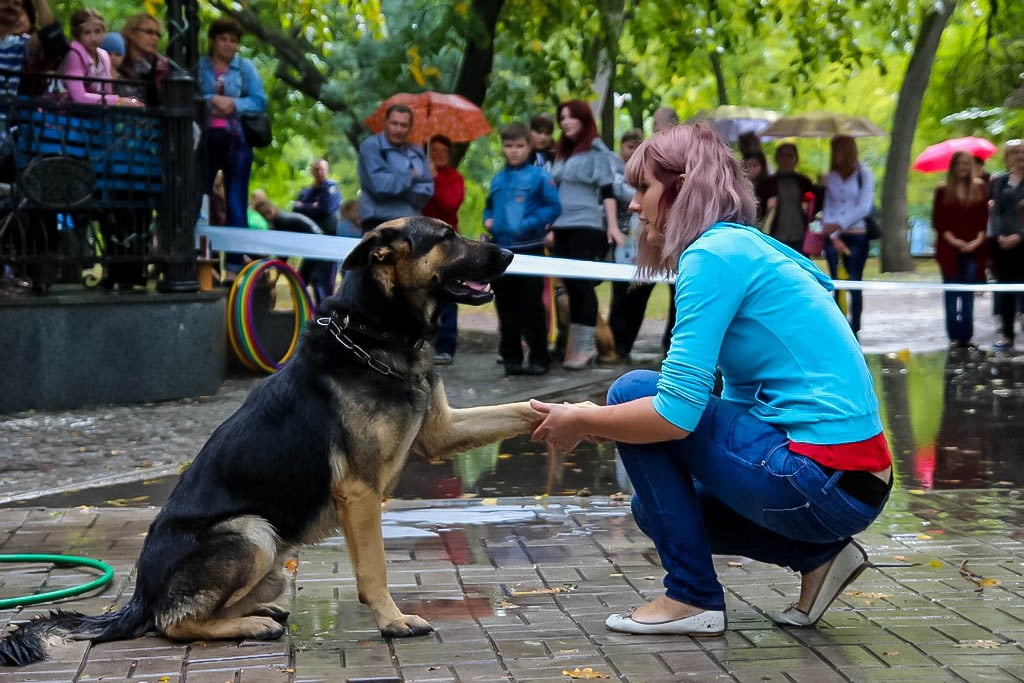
point(839, 244)
point(222, 105)
point(972, 246)
point(129, 102)
point(617, 237)
point(562, 425)
point(1008, 241)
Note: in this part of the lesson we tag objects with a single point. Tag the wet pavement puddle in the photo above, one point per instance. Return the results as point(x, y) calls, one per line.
point(954, 420)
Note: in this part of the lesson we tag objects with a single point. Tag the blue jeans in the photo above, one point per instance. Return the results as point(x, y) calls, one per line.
point(960, 305)
point(732, 487)
point(321, 276)
point(854, 264)
point(228, 153)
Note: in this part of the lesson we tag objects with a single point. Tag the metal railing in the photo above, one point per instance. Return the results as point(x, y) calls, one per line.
point(83, 185)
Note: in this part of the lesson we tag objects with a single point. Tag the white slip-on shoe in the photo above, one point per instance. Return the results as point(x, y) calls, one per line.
point(707, 623)
point(845, 567)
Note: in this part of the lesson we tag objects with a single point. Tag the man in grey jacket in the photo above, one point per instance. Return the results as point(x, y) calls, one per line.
point(394, 174)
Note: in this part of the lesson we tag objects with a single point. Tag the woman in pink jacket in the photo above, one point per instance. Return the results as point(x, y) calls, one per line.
point(87, 60)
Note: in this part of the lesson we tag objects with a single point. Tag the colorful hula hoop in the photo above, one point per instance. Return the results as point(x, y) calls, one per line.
point(241, 327)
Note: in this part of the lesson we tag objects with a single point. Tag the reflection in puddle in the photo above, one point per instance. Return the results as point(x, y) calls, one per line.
point(953, 420)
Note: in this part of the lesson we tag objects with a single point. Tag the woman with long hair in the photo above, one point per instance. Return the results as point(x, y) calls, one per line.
point(960, 217)
point(143, 68)
point(1007, 232)
point(583, 173)
point(791, 461)
point(231, 87)
point(849, 199)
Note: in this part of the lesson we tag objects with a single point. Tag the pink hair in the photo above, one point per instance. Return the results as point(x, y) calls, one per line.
point(715, 188)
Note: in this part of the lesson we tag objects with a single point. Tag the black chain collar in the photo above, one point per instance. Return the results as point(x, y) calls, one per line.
point(338, 327)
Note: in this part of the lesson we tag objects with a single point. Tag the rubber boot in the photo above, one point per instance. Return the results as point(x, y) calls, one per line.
point(582, 351)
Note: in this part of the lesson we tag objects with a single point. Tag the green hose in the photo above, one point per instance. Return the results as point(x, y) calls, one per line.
point(64, 561)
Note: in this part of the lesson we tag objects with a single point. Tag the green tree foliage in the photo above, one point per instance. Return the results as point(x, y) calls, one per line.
point(327, 65)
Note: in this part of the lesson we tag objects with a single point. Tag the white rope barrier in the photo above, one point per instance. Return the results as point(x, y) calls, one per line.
point(329, 248)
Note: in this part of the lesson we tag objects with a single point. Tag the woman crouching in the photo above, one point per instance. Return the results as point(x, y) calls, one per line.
point(791, 461)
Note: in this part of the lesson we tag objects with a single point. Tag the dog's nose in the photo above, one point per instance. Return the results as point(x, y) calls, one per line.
point(505, 257)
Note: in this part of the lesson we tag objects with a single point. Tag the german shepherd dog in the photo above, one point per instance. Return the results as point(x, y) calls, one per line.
point(314, 447)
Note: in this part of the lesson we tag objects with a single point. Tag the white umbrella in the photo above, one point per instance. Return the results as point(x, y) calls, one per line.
point(732, 121)
point(821, 124)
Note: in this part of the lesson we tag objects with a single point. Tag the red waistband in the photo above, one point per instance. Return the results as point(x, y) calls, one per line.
point(870, 455)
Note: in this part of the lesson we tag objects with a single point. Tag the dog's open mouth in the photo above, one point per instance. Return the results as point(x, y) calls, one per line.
point(469, 292)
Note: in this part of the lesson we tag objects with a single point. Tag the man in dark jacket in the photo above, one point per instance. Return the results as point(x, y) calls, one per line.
point(318, 274)
point(321, 200)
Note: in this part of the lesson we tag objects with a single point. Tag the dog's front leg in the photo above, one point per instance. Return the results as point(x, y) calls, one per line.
point(447, 431)
point(359, 512)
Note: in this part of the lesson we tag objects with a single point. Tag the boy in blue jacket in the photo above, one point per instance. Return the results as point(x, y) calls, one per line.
point(521, 204)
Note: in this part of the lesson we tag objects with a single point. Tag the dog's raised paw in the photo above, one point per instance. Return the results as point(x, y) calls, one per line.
point(405, 626)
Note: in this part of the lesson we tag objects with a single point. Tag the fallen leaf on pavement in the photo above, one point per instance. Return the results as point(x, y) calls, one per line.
point(124, 502)
point(980, 644)
point(583, 673)
point(564, 588)
point(977, 579)
point(862, 594)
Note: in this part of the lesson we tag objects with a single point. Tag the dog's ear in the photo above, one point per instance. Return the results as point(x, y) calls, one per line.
point(377, 246)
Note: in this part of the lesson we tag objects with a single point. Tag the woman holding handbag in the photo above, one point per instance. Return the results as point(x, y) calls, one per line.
point(849, 200)
point(232, 88)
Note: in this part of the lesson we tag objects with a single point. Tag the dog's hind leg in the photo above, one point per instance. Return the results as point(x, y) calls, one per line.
point(261, 601)
point(359, 514)
point(229, 574)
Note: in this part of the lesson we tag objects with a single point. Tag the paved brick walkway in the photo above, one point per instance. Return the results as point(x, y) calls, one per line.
point(518, 589)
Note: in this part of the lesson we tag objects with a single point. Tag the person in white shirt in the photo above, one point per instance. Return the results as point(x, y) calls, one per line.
point(849, 198)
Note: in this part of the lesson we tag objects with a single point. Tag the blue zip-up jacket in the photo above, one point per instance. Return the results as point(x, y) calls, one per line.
point(321, 203)
point(522, 202)
point(241, 82)
point(765, 315)
point(389, 188)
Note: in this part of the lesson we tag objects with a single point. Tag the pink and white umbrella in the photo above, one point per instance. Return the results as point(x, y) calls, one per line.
point(936, 158)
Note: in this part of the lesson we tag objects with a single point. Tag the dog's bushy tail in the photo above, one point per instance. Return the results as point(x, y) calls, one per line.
point(29, 642)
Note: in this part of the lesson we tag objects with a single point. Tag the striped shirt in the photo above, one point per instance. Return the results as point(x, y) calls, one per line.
point(13, 49)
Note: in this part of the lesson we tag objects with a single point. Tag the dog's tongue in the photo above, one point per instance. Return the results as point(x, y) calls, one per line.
point(476, 286)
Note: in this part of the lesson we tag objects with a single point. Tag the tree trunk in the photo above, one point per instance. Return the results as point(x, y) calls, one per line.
point(477, 61)
point(612, 20)
point(716, 67)
point(895, 249)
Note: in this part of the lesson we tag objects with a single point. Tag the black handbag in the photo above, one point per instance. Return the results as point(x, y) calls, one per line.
point(872, 228)
point(256, 128)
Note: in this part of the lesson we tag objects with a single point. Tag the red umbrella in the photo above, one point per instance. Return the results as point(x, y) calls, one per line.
point(435, 113)
point(936, 158)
